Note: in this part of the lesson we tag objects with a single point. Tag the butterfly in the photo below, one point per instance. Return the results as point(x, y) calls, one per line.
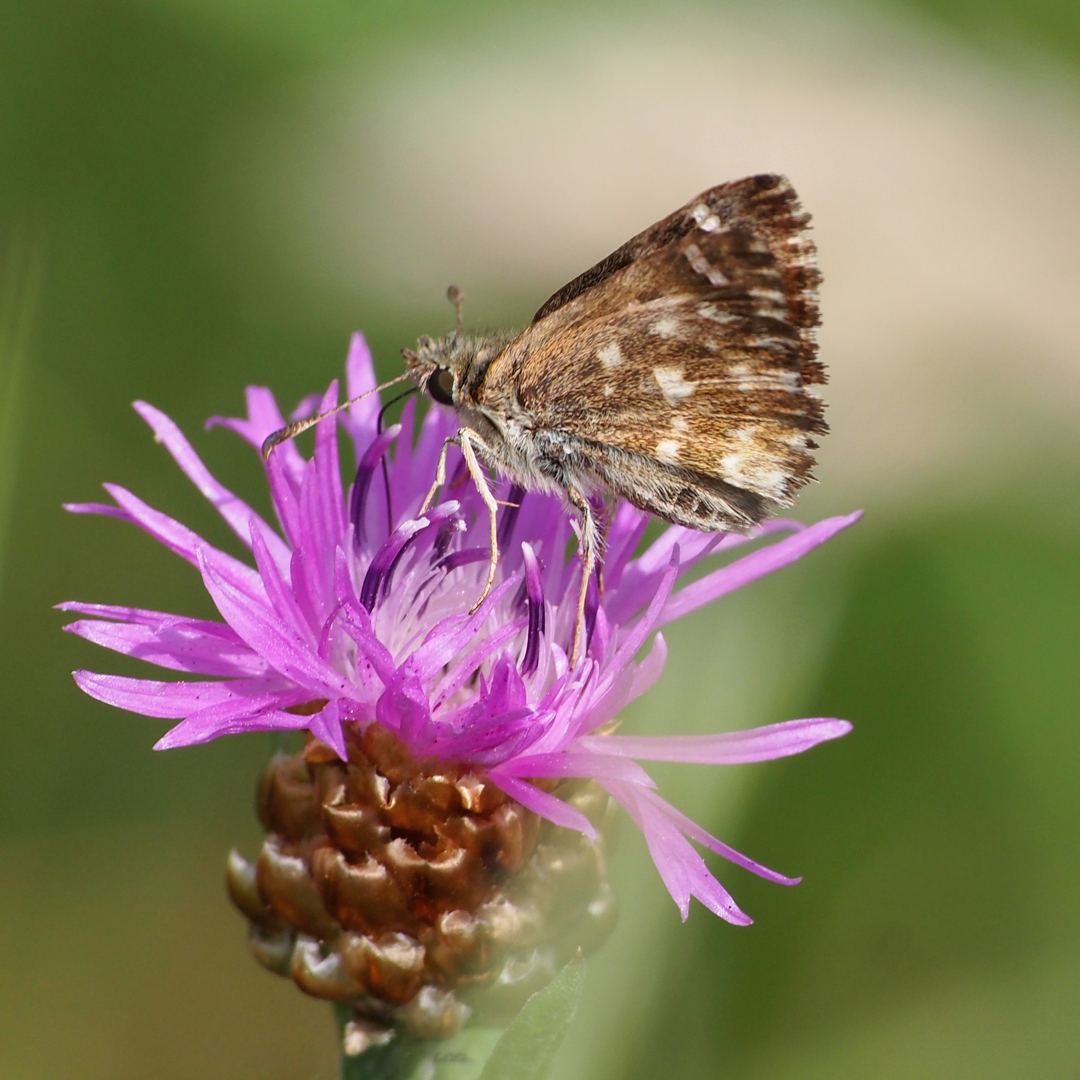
point(677, 373)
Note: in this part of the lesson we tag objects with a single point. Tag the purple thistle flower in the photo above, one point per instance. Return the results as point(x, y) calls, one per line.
point(358, 610)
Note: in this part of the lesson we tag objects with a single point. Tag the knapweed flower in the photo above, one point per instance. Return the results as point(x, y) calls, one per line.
point(351, 620)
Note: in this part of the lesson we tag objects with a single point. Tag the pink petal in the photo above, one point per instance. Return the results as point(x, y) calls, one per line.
point(451, 635)
point(437, 425)
point(575, 762)
point(409, 485)
point(561, 701)
point(682, 869)
point(232, 719)
point(610, 692)
point(540, 802)
point(371, 651)
point(753, 566)
point(467, 666)
point(277, 588)
point(284, 493)
point(320, 523)
point(627, 529)
point(178, 647)
point(628, 685)
point(650, 669)
point(235, 511)
point(305, 407)
point(174, 700)
point(706, 839)
point(642, 576)
point(96, 508)
point(359, 379)
point(692, 543)
point(146, 617)
point(361, 506)
point(270, 638)
point(729, 748)
point(404, 709)
point(263, 419)
point(331, 497)
point(326, 725)
point(629, 645)
point(180, 539)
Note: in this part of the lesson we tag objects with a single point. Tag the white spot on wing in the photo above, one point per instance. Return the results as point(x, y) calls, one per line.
point(700, 265)
point(774, 296)
point(667, 326)
point(782, 380)
point(714, 314)
point(610, 355)
point(672, 384)
point(609, 390)
point(756, 474)
point(668, 449)
point(678, 424)
point(773, 344)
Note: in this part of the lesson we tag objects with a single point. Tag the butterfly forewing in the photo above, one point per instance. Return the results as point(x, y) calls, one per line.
point(678, 368)
point(764, 206)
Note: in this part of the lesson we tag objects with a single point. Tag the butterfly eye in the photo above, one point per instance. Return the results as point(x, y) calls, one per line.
point(441, 386)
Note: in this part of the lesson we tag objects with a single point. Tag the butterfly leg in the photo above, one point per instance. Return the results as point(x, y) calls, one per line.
point(440, 472)
point(467, 440)
point(590, 547)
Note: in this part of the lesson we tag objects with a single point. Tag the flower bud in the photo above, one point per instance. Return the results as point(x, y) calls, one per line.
point(416, 891)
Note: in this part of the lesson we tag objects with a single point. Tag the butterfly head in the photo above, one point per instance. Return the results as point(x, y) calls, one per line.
point(451, 369)
point(438, 366)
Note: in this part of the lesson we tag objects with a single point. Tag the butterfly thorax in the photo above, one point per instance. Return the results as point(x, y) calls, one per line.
point(460, 372)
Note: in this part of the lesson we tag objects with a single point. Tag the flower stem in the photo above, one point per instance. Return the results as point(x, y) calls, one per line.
point(407, 1058)
point(395, 1061)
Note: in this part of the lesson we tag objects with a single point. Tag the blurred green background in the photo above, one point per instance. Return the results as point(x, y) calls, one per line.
point(199, 194)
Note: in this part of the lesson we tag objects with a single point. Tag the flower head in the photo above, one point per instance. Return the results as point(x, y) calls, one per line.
point(355, 611)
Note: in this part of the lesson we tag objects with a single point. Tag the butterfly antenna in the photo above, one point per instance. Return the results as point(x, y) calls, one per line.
point(290, 431)
point(457, 298)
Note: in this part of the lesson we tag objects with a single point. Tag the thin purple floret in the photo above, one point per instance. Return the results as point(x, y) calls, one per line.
point(534, 592)
point(364, 472)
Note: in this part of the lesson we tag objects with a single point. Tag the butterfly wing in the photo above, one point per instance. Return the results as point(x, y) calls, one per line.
point(764, 205)
point(678, 370)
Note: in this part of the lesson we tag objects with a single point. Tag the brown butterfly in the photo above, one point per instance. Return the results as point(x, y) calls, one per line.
point(675, 374)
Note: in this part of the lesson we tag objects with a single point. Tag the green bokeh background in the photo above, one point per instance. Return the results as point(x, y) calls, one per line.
point(936, 932)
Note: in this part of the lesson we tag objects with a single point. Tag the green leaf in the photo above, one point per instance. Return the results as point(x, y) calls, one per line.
point(527, 1048)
